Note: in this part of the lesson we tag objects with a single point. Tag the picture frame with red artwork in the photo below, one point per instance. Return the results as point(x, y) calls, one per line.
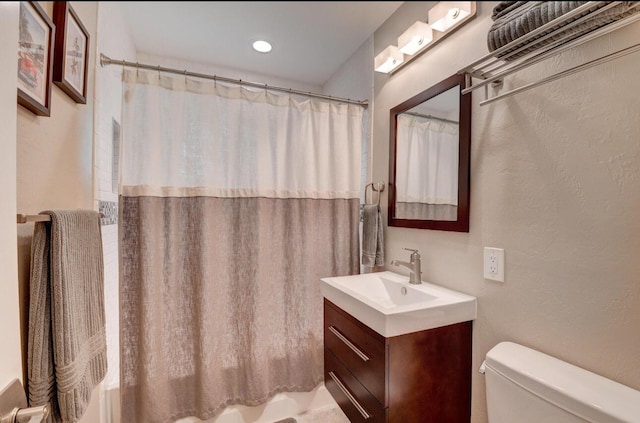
point(35, 58)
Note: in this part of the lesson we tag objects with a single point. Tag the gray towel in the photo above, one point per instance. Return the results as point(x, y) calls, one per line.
point(372, 240)
point(513, 20)
point(67, 341)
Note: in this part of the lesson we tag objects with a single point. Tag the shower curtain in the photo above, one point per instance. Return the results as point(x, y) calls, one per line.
point(427, 180)
point(233, 204)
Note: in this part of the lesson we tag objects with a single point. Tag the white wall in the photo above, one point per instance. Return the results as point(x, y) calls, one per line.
point(555, 181)
point(10, 356)
point(354, 78)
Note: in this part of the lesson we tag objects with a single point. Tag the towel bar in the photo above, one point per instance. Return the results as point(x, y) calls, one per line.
point(14, 408)
point(492, 69)
point(26, 218)
point(375, 187)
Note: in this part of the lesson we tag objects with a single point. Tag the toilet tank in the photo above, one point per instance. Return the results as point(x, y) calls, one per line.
point(527, 386)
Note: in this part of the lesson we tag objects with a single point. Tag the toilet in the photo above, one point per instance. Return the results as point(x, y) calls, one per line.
point(527, 386)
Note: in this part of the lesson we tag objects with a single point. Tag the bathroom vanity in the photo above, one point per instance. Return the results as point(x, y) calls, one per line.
point(399, 375)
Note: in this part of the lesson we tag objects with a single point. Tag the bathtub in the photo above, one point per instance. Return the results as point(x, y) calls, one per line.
point(281, 406)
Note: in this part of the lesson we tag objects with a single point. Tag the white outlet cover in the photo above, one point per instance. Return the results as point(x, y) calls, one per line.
point(494, 264)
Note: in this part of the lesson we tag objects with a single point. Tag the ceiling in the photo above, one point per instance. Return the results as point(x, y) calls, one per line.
point(311, 40)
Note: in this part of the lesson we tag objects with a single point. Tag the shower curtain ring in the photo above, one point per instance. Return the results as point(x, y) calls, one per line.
point(137, 69)
point(158, 71)
point(185, 76)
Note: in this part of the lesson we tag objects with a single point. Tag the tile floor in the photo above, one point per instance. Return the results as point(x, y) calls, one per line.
point(329, 414)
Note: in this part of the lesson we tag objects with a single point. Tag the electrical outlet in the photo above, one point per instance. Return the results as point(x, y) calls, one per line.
point(494, 264)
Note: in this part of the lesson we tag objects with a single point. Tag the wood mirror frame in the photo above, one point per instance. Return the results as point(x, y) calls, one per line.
point(461, 224)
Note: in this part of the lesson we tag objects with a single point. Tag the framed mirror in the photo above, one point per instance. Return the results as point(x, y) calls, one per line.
point(429, 152)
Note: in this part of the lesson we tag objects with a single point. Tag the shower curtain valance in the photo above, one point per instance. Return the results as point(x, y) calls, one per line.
point(273, 153)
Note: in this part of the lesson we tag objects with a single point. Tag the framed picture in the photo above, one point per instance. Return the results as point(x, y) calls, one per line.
point(35, 58)
point(71, 52)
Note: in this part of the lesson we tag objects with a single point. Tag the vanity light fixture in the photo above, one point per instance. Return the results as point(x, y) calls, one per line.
point(388, 59)
point(261, 46)
point(414, 39)
point(448, 14)
point(445, 18)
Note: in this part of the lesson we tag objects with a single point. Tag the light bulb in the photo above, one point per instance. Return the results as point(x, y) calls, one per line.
point(262, 46)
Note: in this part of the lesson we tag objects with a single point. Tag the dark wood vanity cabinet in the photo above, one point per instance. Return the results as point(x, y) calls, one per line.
point(421, 377)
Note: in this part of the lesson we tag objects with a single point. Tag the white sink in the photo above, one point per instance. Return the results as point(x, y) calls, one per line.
point(390, 305)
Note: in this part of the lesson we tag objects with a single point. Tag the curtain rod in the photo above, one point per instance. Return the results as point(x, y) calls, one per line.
point(105, 60)
point(429, 117)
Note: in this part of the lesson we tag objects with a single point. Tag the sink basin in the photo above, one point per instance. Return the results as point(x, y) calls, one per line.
point(390, 305)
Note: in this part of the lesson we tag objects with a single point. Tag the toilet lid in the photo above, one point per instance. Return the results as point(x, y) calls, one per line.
point(579, 391)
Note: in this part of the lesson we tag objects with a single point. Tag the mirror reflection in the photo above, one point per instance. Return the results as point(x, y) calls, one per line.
point(429, 159)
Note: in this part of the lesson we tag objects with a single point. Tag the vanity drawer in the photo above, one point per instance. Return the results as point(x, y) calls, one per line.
point(358, 347)
point(354, 399)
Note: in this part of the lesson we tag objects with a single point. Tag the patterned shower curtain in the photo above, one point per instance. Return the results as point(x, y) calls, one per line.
point(233, 204)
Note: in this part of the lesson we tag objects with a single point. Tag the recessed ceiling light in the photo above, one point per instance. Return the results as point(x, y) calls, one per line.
point(262, 46)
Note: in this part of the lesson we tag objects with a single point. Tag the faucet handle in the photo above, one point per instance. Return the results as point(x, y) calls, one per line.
point(414, 254)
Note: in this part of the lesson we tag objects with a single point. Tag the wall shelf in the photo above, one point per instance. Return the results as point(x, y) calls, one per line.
point(554, 39)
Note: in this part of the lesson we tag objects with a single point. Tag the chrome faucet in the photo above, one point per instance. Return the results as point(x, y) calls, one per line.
point(415, 277)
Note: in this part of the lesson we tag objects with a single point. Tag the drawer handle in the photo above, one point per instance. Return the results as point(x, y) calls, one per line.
point(345, 391)
point(348, 343)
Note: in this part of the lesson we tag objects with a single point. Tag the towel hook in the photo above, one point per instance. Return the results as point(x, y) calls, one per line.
point(375, 187)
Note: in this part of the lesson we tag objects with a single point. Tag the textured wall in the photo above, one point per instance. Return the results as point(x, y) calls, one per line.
point(555, 181)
